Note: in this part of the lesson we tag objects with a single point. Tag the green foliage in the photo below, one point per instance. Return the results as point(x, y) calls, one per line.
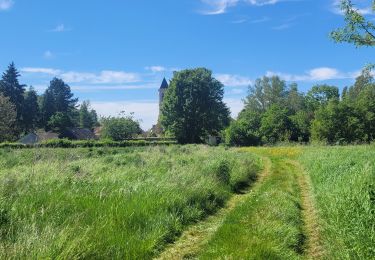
point(320, 95)
point(276, 125)
point(266, 91)
point(286, 115)
point(65, 143)
point(31, 108)
point(120, 128)
point(8, 118)
point(344, 179)
point(193, 106)
point(100, 203)
point(87, 116)
point(59, 106)
point(274, 112)
point(350, 120)
point(59, 121)
point(11, 88)
point(245, 130)
point(357, 30)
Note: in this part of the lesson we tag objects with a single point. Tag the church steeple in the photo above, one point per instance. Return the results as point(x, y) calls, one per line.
point(163, 87)
point(164, 84)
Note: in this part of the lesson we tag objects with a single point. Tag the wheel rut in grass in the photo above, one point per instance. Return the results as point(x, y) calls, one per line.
point(312, 245)
point(192, 240)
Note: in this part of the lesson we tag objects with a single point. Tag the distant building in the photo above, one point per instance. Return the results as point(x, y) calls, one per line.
point(157, 130)
point(164, 86)
point(70, 133)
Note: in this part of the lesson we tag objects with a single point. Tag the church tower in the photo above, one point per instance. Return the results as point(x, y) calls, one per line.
point(162, 89)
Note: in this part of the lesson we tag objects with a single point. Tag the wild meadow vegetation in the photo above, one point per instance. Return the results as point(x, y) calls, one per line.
point(343, 180)
point(131, 202)
point(123, 203)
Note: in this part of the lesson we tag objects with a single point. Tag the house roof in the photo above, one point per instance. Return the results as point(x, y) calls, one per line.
point(164, 84)
point(79, 134)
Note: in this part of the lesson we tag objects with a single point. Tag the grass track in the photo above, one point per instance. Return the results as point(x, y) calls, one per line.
point(275, 220)
point(193, 239)
point(271, 224)
point(313, 243)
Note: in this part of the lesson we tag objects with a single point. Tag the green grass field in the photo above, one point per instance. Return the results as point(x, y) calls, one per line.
point(132, 203)
point(111, 203)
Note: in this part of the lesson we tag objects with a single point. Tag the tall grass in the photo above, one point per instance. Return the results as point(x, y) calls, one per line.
point(268, 225)
point(343, 180)
point(111, 202)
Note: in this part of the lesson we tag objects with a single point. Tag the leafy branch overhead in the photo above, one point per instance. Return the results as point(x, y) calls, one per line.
point(358, 30)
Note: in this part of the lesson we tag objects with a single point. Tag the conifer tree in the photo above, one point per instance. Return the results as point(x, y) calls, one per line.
point(31, 108)
point(11, 88)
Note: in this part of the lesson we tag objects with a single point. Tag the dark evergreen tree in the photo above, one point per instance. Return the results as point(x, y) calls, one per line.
point(11, 88)
point(63, 97)
point(47, 108)
point(31, 109)
point(58, 98)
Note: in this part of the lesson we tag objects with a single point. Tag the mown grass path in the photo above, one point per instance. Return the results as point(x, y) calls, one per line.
point(275, 220)
point(193, 239)
point(313, 244)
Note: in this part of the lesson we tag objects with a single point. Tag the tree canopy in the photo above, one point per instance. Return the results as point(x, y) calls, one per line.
point(8, 117)
point(120, 128)
point(11, 88)
point(193, 106)
point(357, 30)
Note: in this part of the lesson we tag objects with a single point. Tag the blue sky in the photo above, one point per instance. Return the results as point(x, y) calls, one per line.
point(116, 53)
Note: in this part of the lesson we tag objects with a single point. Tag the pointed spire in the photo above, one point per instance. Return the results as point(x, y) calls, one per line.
point(164, 84)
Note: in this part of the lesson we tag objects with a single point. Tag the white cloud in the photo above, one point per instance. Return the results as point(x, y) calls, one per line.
point(90, 88)
point(48, 55)
point(60, 28)
point(6, 4)
point(104, 77)
point(317, 74)
point(48, 71)
point(220, 6)
point(235, 105)
point(156, 68)
point(282, 26)
point(233, 80)
point(147, 110)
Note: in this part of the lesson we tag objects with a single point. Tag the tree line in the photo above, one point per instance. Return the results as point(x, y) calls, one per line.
point(275, 112)
point(24, 111)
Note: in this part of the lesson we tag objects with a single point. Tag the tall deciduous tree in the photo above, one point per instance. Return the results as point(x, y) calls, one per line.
point(8, 118)
point(193, 106)
point(11, 88)
point(266, 92)
point(358, 30)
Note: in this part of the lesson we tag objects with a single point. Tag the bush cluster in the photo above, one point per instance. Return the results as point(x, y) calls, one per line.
point(65, 143)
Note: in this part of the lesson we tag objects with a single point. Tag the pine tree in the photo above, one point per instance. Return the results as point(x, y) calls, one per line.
point(63, 97)
point(31, 108)
point(86, 119)
point(58, 98)
point(47, 109)
point(11, 88)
